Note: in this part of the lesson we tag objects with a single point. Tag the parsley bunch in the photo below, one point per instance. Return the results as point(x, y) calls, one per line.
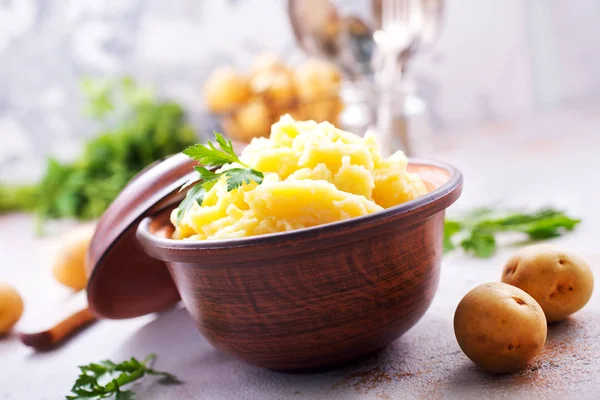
point(17, 198)
point(136, 130)
point(105, 379)
point(477, 231)
point(210, 158)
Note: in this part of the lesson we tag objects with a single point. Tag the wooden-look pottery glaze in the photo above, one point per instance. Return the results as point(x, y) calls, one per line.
point(124, 282)
point(314, 297)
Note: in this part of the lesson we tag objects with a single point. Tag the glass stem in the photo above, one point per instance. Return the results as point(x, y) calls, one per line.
point(391, 121)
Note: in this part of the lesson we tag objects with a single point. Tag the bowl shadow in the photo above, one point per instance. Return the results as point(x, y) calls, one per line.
point(209, 373)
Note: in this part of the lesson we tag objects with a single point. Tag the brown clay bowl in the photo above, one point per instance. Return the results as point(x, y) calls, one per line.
point(319, 296)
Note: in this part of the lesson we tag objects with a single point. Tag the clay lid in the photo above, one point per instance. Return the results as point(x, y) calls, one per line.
point(125, 282)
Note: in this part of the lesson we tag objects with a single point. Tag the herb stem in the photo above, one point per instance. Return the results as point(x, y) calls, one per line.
point(124, 379)
point(149, 360)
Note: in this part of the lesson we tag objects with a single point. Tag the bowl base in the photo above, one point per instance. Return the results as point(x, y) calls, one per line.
point(329, 367)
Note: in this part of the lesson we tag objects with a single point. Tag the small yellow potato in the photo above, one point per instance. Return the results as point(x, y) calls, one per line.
point(267, 62)
point(251, 120)
point(317, 79)
point(325, 109)
point(500, 327)
point(277, 87)
point(69, 265)
point(11, 307)
point(560, 281)
point(226, 89)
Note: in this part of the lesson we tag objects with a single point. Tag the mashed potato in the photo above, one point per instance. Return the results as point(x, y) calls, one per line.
point(314, 174)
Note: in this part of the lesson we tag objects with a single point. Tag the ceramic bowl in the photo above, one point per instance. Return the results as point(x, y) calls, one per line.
point(315, 297)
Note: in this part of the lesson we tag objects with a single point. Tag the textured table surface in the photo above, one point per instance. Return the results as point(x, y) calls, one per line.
point(549, 160)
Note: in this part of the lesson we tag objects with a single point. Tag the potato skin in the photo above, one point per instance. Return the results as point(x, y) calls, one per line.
point(267, 62)
point(560, 281)
point(251, 120)
point(225, 89)
point(276, 87)
point(69, 265)
point(317, 79)
point(11, 307)
point(500, 327)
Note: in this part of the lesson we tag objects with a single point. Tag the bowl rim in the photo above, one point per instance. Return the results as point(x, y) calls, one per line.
point(454, 183)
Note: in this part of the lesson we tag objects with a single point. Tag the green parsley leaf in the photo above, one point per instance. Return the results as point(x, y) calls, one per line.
point(226, 145)
point(213, 158)
point(239, 176)
point(451, 228)
point(206, 175)
point(194, 195)
point(207, 156)
point(125, 395)
point(550, 227)
point(481, 243)
point(479, 228)
point(88, 386)
point(84, 381)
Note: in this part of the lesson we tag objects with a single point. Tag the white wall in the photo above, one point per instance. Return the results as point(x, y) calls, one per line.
point(496, 59)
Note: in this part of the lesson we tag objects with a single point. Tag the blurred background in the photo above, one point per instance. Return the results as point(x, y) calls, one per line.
point(495, 60)
point(94, 91)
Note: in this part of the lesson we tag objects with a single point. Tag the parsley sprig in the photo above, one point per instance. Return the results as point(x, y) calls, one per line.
point(105, 379)
point(135, 129)
point(210, 158)
point(477, 231)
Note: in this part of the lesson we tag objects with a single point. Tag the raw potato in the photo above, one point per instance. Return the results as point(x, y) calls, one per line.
point(500, 327)
point(11, 307)
point(248, 103)
point(328, 109)
point(226, 89)
point(560, 281)
point(276, 87)
point(252, 120)
point(318, 85)
point(317, 80)
point(266, 63)
point(69, 266)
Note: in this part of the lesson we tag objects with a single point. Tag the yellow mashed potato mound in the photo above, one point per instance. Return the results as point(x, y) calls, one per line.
point(314, 174)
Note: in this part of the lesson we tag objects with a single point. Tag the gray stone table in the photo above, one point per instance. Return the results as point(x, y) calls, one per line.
point(551, 159)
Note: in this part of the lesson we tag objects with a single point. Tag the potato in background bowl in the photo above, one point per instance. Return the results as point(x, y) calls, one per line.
point(247, 104)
